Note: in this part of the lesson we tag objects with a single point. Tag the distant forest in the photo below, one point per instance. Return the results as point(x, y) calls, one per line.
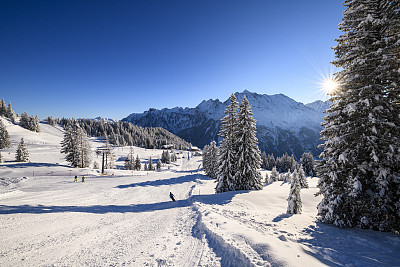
point(119, 133)
point(124, 133)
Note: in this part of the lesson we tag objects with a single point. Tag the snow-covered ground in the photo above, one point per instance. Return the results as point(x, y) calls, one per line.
point(127, 219)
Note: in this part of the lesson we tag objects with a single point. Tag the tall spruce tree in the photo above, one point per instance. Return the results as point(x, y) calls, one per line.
point(248, 155)
point(22, 154)
point(360, 166)
point(130, 160)
point(206, 162)
point(24, 120)
point(3, 108)
point(84, 148)
point(307, 160)
point(166, 157)
point(302, 177)
point(294, 199)
point(271, 162)
point(76, 146)
point(264, 160)
point(158, 166)
point(11, 113)
point(138, 164)
point(210, 158)
point(67, 146)
point(4, 137)
point(227, 152)
point(213, 157)
point(150, 166)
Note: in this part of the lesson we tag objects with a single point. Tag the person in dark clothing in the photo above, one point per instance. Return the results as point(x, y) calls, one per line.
point(172, 196)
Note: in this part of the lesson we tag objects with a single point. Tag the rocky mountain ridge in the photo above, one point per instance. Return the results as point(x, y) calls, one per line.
point(283, 125)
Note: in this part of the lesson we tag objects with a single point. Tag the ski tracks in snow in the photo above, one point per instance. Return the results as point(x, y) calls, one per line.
point(106, 221)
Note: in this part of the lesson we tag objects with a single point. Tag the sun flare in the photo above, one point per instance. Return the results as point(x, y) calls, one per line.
point(329, 85)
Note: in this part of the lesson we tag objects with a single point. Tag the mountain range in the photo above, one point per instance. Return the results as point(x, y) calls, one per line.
point(283, 125)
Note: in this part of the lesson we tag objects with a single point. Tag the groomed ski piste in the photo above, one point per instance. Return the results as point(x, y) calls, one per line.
point(126, 218)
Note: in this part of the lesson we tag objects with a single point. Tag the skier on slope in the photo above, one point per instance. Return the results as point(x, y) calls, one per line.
point(76, 178)
point(172, 196)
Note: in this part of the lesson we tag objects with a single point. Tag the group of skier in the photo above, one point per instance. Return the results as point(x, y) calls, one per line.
point(76, 179)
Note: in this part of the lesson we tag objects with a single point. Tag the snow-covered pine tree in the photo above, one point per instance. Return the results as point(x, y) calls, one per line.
point(271, 162)
point(1, 158)
point(50, 120)
point(294, 199)
point(264, 160)
point(130, 159)
point(205, 157)
point(22, 154)
point(292, 163)
point(150, 166)
point(210, 157)
point(307, 160)
point(360, 167)
point(11, 113)
point(302, 177)
point(76, 147)
point(138, 164)
point(111, 160)
point(248, 164)
point(286, 163)
point(267, 179)
point(114, 139)
point(145, 166)
point(4, 137)
point(174, 158)
point(287, 177)
point(67, 146)
point(24, 120)
point(158, 166)
point(3, 108)
point(165, 157)
point(84, 149)
point(274, 175)
point(169, 160)
point(213, 154)
point(35, 124)
point(30, 123)
point(227, 151)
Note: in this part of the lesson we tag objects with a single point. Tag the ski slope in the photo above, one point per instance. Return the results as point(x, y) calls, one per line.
point(127, 219)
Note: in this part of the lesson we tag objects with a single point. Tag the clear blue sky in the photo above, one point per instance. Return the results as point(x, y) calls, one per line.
point(82, 58)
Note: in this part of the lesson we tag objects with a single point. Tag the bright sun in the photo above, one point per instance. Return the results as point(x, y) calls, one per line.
point(329, 85)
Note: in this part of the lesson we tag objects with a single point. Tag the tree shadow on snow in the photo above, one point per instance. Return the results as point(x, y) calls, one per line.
point(335, 246)
point(33, 164)
point(95, 209)
point(159, 182)
point(220, 199)
point(281, 217)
